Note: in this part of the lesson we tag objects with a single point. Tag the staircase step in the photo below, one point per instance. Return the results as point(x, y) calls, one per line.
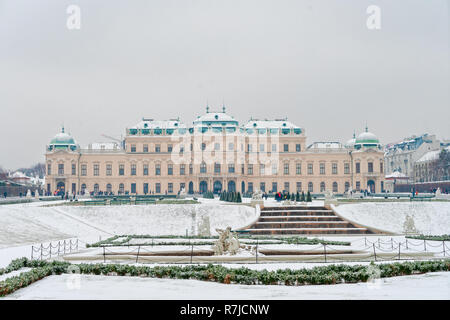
point(299, 218)
point(309, 225)
point(309, 231)
point(297, 213)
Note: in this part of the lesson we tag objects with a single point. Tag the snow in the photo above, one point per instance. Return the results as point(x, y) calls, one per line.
point(429, 217)
point(426, 286)
point(32, 223)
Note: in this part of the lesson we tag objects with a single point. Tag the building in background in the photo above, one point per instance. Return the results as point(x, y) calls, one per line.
point(401, 156)
point(215, 153)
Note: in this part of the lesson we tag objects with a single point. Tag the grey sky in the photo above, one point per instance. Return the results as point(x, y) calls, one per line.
point(312, 61)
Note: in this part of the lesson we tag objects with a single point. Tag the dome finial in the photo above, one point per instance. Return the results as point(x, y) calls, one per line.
point(223, 106)
point(207, 106)
point(62, 128)
point(367, 128)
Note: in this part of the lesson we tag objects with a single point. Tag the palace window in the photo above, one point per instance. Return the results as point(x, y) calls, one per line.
point(242, 168)
point(230, 146)
point(182, 169)
point(381, 167)
point(322, 186)
point(203, 146)
point(334, 168)
point(346, 168)
point(60, 169)
point(145, 170)
point(249, 148)
point(347, 186)
point(335, 187)
point(158, 187)
point(310, 187)
point(261, 147)
point(133, 148)
point(191, 169)
point(49, 169)
point(203, 167)
point(262, 169)
point(109, 169)
point(133, 171)
point(121, 169)
point(74, 169)
point(170, 187)
point(274, 147)
point(170, 169)
point(157, 169)
point(286, 168)
point(169, 148)
point(83, 170)
point(262, 186)
point(250, 169)
point(370, 167)
point(133, 188)
point(286, 186)
point(217, 146)
point(274, 168)
point(231, 168)
point(157, 148)
point(250, 187)
point(322, 168)
point(299, 186)
point(358, 167)
point(121, 188)
point(96, 188)
point(96, 169)
point(145, 188)
point(286, 147)
point(145, 148)
point(358, 185)
point(310, 168)
point(109, 188)
point(298, 168)
point(298, 147)
point(216, 167)
point(274, 187)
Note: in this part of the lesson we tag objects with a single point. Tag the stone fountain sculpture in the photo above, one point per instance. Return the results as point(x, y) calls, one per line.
point(228, 242)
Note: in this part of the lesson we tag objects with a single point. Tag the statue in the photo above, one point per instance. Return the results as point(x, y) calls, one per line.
point(29, 193)
point(36, 194)
point(409, 226)
point(257, 198)
point(228, 242)
point(330, 198)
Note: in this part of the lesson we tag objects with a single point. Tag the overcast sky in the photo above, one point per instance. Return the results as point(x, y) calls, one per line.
point(315, 62)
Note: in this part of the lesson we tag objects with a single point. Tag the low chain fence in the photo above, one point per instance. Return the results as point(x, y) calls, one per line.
point(54, 249)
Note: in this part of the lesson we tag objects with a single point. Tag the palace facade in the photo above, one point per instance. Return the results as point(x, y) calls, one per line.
point(215, 153)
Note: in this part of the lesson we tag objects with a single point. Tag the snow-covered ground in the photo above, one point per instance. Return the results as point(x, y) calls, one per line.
point(426, 286)
point(32, 223)
point(428, 217)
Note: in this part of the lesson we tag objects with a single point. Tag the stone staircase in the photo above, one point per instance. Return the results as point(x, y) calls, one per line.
point(306, 220)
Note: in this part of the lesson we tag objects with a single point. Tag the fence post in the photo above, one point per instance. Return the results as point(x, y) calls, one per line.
point(399, 253)
point(392, 244)
point(64, 246)
point(152, 242)
point(192, 252)
point(443, 246)
point(374, 252)
point(325, 251)
point(256, 256)
point(379, 243)
point(42, 249)
point(59, 246)
point(406, 243)
point(137, 256)
point(32, 249)
point(424, 245)
point(50, 246)
point(77, 245)
point(104, 255)
point(365, 241)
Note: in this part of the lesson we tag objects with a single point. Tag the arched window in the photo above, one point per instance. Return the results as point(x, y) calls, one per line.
point(322, 186)
point(310, 187)
point(203, 167)
point(347, 186)
point(96, 188)
point(121, 188)
point(83, 188)
point(109, 188)
point(335, 187)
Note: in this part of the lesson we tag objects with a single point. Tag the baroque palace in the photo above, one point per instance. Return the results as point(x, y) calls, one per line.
point(216, 153)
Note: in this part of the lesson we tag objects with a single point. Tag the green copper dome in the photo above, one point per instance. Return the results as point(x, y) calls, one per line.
point(366, 139)
point(62, 140)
